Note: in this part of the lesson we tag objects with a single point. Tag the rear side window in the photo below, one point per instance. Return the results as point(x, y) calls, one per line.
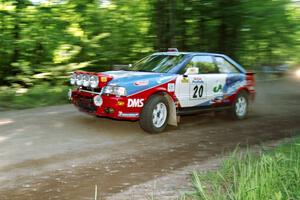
point(205, 64)
point(225, 67)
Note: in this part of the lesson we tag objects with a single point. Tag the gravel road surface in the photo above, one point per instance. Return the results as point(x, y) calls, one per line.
point(60, 153)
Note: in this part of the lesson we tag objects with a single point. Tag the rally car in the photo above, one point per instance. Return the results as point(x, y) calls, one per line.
point(163, 86)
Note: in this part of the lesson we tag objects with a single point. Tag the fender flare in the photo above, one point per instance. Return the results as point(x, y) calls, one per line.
point(172, 119)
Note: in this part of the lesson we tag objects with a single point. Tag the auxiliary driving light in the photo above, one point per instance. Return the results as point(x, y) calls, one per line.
point(98, 100)
point(79, 79)
point(73, 79)
point(94, 81)
point(86, 80)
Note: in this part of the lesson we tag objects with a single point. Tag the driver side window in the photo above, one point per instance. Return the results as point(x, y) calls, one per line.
point(205, 64)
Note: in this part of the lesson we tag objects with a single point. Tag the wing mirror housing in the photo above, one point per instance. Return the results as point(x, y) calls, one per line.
point(192, 70)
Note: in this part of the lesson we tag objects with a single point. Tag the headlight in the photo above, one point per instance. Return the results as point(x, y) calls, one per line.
point(94, 81)
point(108, 89)
point(86, 80)
point(73, 79)
point(115, 90)
point(120, 91)
point(79, 79)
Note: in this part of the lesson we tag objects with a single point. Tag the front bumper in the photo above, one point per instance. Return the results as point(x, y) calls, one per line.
point(112, 106)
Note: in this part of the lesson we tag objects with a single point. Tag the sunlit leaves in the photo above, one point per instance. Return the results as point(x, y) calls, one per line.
point(7, 6)
point(37, 36)
point(75, 30)
point(65, 53)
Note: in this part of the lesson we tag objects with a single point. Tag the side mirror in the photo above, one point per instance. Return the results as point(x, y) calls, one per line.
point(192, 70)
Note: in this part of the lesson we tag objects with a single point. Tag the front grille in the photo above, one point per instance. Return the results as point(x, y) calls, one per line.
point(86, 104)
point(96, 90)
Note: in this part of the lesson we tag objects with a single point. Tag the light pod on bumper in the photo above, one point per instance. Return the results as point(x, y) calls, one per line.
point(94, 81)
point(73, 79)
point(79, 79)
point(86, 80)
point(98, 100)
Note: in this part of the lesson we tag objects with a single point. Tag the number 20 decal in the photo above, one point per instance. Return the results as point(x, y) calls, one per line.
point(198, 91)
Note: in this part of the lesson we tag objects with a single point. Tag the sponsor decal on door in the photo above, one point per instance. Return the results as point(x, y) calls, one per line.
point(197, 88)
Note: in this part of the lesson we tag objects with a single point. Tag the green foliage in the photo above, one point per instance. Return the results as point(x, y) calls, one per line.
point(49, 36)
point(270, 175)
point(254, 32)
point(39, 95)
point(35, 38)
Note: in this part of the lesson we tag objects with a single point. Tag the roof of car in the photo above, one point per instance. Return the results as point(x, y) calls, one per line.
point(191, 53)
point(204, 54)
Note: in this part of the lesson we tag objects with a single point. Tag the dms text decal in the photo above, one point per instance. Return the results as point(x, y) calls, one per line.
point(135, 103)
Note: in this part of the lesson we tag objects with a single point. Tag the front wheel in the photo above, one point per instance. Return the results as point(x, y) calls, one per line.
point(239, 108)
point(154, 115)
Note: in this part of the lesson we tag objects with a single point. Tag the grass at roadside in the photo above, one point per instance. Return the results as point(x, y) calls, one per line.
point(39, 95)
point(273, 174)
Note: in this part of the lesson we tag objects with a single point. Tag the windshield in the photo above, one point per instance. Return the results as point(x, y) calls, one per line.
point(157, 63)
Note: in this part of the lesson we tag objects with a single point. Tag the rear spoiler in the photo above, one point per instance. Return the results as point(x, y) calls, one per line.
point(250, 78)
point(250, 73)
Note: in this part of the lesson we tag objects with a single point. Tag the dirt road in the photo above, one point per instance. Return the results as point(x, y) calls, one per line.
point(60, 153)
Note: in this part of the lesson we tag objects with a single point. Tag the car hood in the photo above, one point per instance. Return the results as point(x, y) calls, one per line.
point(135, 82)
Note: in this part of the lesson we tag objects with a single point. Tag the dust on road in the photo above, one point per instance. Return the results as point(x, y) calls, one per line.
point(59, 153)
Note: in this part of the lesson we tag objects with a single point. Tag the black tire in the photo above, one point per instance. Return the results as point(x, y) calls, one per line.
point(147, 115)
point(234, 113)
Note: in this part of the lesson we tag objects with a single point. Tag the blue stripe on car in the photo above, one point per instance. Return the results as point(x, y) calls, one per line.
point(128, 79)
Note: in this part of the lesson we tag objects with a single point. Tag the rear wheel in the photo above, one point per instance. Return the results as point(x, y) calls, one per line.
point(239, 109)
point(154, 115)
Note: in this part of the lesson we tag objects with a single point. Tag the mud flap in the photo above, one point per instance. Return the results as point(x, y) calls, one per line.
point(172, 111)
